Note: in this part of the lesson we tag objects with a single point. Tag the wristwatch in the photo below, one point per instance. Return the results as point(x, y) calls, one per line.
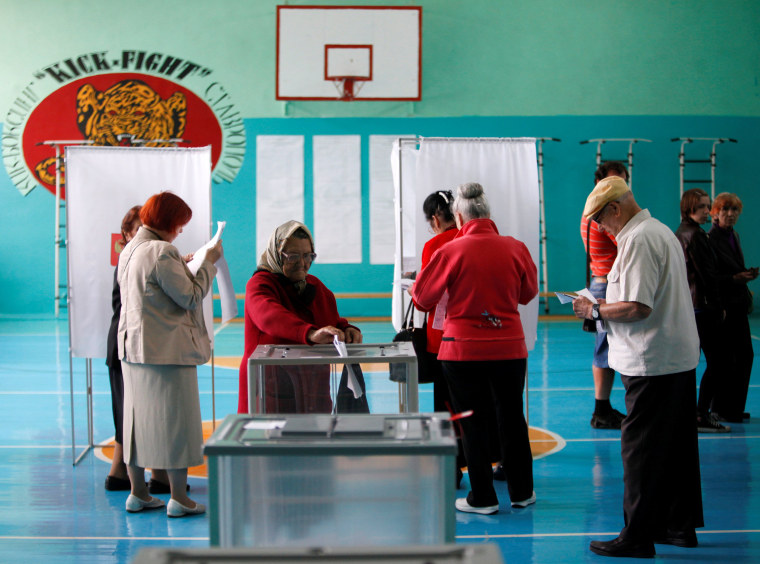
point(595, 315)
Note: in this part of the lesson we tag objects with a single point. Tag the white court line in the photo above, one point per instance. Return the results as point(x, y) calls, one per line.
point(108, 538)
point(707, 436)
point(600, 534)
point(506, 536)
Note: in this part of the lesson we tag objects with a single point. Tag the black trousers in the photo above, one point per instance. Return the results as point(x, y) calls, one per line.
point(116, 379)
point(492, 387)
point(731, 393)
point(660, 456)
point(714, 347)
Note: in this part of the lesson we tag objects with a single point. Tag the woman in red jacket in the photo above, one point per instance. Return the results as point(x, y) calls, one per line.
point(482, 277)
point(285, 304)
point(437, 210)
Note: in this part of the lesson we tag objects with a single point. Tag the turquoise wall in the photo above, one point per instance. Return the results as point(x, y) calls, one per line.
point(547, 68)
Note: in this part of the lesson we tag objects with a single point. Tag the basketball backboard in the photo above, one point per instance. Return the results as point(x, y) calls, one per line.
point(349, 53)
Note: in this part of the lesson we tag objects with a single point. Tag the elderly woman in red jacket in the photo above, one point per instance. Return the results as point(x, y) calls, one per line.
point(482, 277)
point(286, 305)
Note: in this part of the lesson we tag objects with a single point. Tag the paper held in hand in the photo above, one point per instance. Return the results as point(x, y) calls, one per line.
point(565, 298)
point(223, 278)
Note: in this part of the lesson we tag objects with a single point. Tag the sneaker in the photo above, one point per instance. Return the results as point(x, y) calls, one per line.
point(526, 502)
point(611, 420)
point(709, 424)
point(462, 505)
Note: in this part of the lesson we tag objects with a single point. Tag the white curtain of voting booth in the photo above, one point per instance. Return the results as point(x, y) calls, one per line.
point(102, 184)
point(507, 170)
point(403, 166)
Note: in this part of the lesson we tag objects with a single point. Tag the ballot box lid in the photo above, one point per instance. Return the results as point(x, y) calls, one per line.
point(349, 434)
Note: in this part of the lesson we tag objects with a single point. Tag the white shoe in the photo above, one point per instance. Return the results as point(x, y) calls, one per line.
point(526, 502)
point(135, 504)
point(462, 505)
point(176, 509)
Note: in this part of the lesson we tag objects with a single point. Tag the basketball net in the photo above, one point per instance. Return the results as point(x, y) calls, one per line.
point(348, 87)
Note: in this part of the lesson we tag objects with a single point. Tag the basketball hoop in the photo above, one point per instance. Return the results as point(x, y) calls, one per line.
point(348, 86)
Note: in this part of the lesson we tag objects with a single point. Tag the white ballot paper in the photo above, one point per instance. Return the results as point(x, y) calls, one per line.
point(567, 298)
point(223, 278)
point(405, 283)
point(353, 383)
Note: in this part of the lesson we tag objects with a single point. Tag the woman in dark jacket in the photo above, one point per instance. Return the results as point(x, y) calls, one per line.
point(708, 311)
point(733, 276)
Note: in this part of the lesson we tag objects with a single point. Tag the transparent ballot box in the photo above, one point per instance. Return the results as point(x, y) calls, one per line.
point(331, 480)
point(317, 379)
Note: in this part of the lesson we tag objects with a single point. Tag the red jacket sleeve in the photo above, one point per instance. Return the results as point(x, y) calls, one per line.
point(265, 302)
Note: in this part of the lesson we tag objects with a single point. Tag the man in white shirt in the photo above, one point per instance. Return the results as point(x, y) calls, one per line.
point(654, 346)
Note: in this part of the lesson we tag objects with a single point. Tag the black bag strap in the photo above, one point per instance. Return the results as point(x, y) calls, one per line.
point(408, 322)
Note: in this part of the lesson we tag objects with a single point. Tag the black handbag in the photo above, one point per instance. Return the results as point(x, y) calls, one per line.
point(589, 325)
point(418, 338)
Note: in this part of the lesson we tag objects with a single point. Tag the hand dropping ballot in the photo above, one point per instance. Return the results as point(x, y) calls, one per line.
point(353, 382)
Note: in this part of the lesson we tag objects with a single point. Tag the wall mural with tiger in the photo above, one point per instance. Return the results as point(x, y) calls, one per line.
point(119, 108)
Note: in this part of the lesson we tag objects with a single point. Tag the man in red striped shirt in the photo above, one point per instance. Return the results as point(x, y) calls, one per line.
point(602, 252)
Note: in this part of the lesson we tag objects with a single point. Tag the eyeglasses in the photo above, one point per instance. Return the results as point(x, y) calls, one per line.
point(598, 216)
point(292, 258)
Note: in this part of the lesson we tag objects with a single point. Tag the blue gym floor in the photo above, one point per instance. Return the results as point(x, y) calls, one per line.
point(51, 511)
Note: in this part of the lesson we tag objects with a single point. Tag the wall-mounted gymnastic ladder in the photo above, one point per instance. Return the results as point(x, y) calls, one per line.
point(683, 162)
point(628, 159)
point(542, 222)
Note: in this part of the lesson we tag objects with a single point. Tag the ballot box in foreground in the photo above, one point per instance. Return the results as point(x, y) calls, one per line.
point(476, 553)
point(332, 480)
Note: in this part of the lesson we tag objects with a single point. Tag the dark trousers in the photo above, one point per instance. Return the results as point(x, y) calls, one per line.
point(731, 393)
point(117, 399)
point(712, 343)
point(660, 456)
point(484, 387)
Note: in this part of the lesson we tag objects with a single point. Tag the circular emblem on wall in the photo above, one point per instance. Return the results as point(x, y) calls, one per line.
point(118, 109)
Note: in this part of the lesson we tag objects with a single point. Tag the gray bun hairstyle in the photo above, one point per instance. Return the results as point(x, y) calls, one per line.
point(471, 202)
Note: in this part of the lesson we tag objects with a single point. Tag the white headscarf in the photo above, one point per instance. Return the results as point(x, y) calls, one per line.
point(271, 258)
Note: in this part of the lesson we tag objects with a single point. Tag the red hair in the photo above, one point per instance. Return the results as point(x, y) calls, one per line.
point(725, 199)
point(165, 211)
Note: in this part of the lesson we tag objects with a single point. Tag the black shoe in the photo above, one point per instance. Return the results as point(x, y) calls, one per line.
point(709, 424)
point(745, 415)
point(498, 473)
point(611, 420)
point(685, 539)
point(156, 487)
point(621, 547)
point(114, 484)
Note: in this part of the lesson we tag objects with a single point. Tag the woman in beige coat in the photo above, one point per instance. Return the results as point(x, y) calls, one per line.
point(162, 337)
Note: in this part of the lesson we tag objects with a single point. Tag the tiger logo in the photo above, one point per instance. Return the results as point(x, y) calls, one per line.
point(128, 111)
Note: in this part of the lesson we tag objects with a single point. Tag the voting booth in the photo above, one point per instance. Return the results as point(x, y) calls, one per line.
point(332, 480)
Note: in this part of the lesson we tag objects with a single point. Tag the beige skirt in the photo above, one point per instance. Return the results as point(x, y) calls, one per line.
point(162, 416)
